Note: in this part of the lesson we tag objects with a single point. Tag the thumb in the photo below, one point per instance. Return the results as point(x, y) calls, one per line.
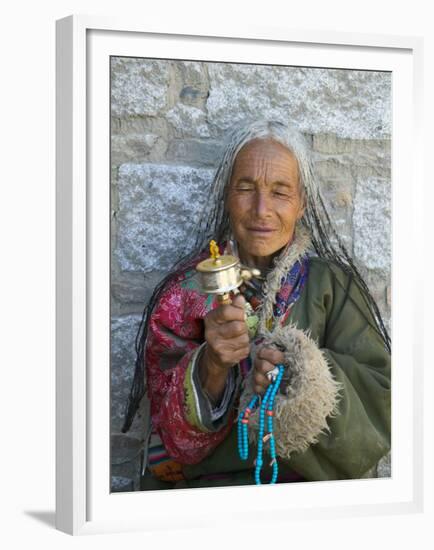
point(239, 301)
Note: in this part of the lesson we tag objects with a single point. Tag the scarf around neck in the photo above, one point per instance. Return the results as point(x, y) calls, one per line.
point(273, 297)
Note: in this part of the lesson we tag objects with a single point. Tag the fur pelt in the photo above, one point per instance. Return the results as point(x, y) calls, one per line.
point(310, 393)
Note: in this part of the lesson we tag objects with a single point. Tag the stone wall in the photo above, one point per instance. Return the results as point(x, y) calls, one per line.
point(167, 126)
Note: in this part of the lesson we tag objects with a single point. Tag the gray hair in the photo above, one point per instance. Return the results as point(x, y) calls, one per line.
point(215, 222)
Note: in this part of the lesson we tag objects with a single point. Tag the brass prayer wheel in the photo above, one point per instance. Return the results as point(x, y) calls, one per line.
point(222, 274)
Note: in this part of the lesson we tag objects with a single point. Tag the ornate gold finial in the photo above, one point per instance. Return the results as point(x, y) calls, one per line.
point(214, 250)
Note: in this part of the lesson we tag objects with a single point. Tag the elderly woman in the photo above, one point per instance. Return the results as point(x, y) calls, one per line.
point(310, 312)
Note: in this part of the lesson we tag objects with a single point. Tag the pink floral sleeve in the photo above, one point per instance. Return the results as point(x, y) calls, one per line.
point(175, 332)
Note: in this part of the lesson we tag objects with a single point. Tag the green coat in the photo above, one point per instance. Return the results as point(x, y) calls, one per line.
point(332, 309)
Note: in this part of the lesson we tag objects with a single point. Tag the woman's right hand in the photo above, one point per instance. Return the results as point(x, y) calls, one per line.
point(226, 334)
point(227, 343)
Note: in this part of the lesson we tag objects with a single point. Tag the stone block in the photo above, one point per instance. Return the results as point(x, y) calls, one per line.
point(348, 103)
point(334, 145)
point(134, 288)
point(190, 95)
point(159, 206)
point(137, 139)
point(389, 296)
point(198, 152)
point(188, 120)
point(138, 86)
point(121, 484)
point(140, 125)
point(361, 159)
point(372, 223)
point(193, 80)
point(338, 198)
point(135, 147)
point(124, 448)
point(384, 467)
point(123, 356)
point(334, 167)
point(192, 74)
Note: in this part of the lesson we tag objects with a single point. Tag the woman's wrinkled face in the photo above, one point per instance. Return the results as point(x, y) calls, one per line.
point(264, 200)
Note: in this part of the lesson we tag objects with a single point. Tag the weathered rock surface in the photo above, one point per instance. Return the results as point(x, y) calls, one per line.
point(123, 334)
point(350, 104)
point(138, 86)
point(121, 484)
point(137, 146)
point(188, 120)
point(338, 194)
point(159, 206)
point(134, 288)
point(384, 467)
point(372, 223)
point(197, 152)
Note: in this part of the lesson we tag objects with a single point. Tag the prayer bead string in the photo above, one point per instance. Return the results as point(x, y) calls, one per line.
point(265, 410)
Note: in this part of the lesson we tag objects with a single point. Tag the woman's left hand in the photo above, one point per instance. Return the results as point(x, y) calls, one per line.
point(265, 361)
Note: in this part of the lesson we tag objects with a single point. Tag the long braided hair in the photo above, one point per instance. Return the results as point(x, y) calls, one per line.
point(214, 224)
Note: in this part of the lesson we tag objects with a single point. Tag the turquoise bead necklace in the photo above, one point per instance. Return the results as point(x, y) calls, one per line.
point(265, 410)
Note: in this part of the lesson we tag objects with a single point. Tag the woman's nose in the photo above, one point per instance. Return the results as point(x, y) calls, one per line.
point(262, 204)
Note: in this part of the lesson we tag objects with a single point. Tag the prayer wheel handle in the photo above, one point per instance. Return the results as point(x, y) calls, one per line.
point(224, 299)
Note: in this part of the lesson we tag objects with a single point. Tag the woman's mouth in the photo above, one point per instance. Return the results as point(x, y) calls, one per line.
point(261, 230)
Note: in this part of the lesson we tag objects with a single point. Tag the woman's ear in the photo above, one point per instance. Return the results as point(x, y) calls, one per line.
point(301, 212)
point(303, 200)
point(303, 205)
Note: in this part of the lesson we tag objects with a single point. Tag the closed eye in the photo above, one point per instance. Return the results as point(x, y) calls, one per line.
point(244, 188)
point(282, 195)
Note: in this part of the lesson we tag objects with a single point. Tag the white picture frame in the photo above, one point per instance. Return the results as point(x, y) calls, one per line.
point(83, 500)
